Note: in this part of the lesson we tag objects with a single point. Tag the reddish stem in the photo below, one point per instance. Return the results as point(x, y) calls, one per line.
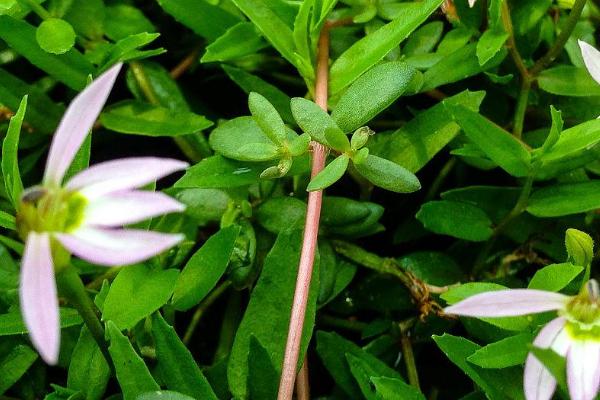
point(311, 230)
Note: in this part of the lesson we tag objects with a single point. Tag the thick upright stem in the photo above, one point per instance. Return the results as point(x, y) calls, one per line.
point(311, 230)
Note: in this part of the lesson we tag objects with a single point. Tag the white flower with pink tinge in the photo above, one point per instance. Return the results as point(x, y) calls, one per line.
point(591, 58)
point(85, 216)
point(574, 334)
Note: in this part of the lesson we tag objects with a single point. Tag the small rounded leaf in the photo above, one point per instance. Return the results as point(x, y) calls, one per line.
point(299, 145)
point(331, 174)
point(55, 36)
point(336, 139)
point(388, 175)
point(258, 152)
point(267, 117)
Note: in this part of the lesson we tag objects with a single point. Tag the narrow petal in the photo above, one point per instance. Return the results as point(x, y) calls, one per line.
point(538, 382)
point(505, 303)
point(37, 294)
point(591, 58)
point(123, 174)
point(122, 208)
point(472, 3)
point(583, 369)
point(111, 247)
point(76, 123)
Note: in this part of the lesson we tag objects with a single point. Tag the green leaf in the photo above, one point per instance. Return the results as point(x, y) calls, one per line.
point(204, 269)
point(334, 350)
point(142, 289)
point(388, 175)
point(55, 36)
point(204, 18)
point(10, 160)
point(580, 247)
point(576, 147)
point(554, 277)
point(88, 370)
point(164, 395)
point(566, 80)
point(14, 365)
point(395, 389)
point(267, 117)
point(42, 113)
point(457, 219)
point(87, 18)
point(264, 318)
point(70, 68)
point(302, 37)
point(176, 364)
point(364, 372)
point(312, 119)
point(499, 145)
point(139, 118)
point(372, 93)
point(274, 29)
point(279, 213)
point(330, 174)
point(123, 20)
point(565, 199)
point(424, 39)
point(458, 65)
point(12, 323)
point(132, 374)
point(251, 83)
point(417, 142)
point(7, 220)
point(126, 49)
point(367, 51)
point(263, 378)
point(508, 352)
point(240, 40)
point(458, 349)
point(220, 172)
point(337, 139)
point(490, 43)
point(555, 129)
point(232, 139)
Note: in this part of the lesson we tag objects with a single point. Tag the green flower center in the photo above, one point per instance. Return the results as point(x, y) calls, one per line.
point(43, 209)
point(583, 313)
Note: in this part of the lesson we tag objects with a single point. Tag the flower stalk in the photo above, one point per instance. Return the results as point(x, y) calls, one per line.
point(311, 231)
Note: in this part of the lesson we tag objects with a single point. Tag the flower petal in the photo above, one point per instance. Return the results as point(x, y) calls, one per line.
point(37, 294)
point(122, 208)
point(472, 3)
point(591, 57)
point(583, 369)
point(123, 174)
point(76, 123)
point(111, 247)
point(505, 303)
point(538, 382)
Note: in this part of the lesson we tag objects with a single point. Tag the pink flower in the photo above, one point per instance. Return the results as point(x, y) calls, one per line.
point(574, 334)
point(85, 216)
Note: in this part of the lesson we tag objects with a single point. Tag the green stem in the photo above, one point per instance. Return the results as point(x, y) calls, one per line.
point(517, 210)
point(512, 44)
point(521, 108)
point(191, 148)
point(561, 40)
point(440, 178)
point(201, 309)
point(71, 287)
point(36, 8)
point(409, 361)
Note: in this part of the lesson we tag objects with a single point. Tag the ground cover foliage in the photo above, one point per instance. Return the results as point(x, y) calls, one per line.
point(462, 158)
